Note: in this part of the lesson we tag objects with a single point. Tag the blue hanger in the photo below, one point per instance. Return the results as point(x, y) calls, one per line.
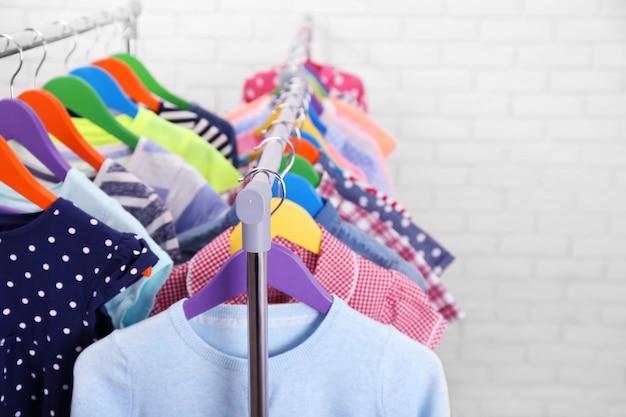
point(300, 191)
point(315, 119)
point(108, 89)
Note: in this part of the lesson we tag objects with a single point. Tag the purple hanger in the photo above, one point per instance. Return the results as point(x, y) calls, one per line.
point(21, 123)
point(9, 210)
point(285, 272)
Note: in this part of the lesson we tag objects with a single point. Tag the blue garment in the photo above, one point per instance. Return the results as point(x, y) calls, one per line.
point(226, 128)
point(370, 167)
point(194, 239)
point(435, 255)
point(59, 267)
point(339, 364)
point(366, 246)
point(252, 122)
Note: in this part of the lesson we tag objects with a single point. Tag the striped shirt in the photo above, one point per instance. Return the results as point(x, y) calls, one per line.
point(142, 202)
point(212, 129)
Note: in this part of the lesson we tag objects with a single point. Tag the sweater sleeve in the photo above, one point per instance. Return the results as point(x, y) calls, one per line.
point(414, 383)
point(101, 382)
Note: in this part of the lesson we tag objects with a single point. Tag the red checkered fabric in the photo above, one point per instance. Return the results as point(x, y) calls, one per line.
point(172, 290)
point(384, 295)
point(371, 224)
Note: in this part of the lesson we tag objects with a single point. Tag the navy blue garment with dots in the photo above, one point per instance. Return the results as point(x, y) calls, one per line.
point(435, 255)
point(57, 269)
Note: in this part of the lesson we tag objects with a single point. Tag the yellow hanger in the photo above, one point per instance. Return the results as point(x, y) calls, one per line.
point(290, 221)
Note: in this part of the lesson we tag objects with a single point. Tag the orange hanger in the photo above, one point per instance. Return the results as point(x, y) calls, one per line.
point(15, 175)
point(128, 80)
point(57, 121)
point(306, 150)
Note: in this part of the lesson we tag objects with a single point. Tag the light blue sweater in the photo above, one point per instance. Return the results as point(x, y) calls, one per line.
point(342, 364)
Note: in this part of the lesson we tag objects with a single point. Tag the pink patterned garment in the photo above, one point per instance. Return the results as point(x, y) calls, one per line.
point(345, 86)
point(371, 224)
point(384, 295)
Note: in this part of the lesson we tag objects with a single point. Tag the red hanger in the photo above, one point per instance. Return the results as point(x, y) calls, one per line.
point(57, 121)
point(128, 80)
point(15, 175)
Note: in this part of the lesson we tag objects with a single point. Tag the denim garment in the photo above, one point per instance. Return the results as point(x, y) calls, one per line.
point(435, 255)
point(366, 246)
point(194, 239)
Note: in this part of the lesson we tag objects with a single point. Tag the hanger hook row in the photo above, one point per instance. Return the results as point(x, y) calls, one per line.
point(10, 39)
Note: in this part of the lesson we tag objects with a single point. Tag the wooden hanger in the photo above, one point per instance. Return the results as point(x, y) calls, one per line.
point(78, 96)
point(150, 82)
point(57, 122)
point(15, 175)
point(291, 222)
point(285, 272)
point(129, 82)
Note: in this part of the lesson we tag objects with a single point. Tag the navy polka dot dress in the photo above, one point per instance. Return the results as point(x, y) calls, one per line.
point(57, 269)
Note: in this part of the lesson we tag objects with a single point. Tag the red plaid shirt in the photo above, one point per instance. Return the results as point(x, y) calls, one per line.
point(368, 222)
point(384, 295)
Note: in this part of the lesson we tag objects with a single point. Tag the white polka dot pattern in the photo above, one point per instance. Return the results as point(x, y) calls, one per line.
point(51, 292)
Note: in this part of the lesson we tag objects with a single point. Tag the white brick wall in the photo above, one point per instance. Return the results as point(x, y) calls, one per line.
point(510, 116)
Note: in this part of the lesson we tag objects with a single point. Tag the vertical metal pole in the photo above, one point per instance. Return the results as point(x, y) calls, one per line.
point(257, 329)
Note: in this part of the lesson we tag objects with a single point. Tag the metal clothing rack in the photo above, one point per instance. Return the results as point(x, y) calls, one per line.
point(55, 32)
point(253, 209)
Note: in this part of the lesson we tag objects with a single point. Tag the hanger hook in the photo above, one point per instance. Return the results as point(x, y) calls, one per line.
point(44, 44)
point(292, 150)
point(110, 18)
point(129, 18)
point(96, 26)
point(66, 25)
point(10, 39)
point(300, 118)
point(283, 186)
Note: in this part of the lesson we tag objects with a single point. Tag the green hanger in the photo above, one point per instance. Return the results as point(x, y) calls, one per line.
point(303, 168)
point(79, 97)
point(149, 81)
